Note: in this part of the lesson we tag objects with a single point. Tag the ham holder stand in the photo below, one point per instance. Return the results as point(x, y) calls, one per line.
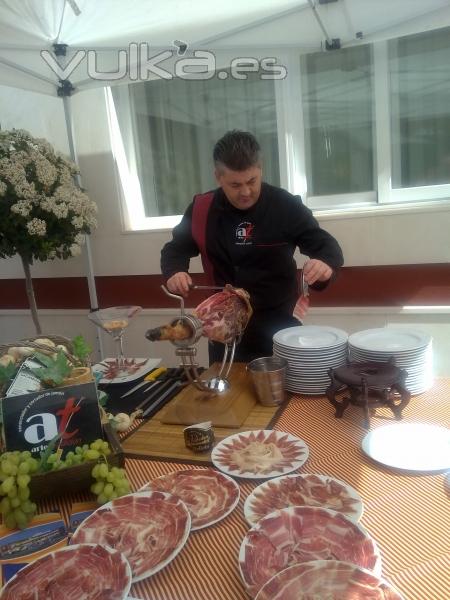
point(187, 351)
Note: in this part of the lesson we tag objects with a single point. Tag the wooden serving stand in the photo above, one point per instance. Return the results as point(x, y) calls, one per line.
point(162, 436)
point(227, 409)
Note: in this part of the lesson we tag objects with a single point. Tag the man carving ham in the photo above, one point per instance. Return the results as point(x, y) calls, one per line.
point(261, 262)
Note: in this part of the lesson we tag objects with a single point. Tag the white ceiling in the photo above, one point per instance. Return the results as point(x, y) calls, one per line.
point(29, 26)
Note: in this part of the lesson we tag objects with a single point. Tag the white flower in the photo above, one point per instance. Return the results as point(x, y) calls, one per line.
point(38, 187)
point(78, 222)
point(46, 173)
point(75, 250)
point(21, 208)
point(37, 227)
point(50, 205)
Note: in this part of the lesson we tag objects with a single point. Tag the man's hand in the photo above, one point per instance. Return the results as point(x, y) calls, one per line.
point(316, 270)
point(179, 283)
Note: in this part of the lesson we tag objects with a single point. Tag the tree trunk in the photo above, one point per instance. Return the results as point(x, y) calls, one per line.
point(30, 294)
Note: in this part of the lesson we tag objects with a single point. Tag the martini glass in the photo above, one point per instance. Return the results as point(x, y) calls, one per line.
point(115, 320)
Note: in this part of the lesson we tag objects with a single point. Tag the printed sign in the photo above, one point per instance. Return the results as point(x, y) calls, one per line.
point(31, 421)
point(45, 533)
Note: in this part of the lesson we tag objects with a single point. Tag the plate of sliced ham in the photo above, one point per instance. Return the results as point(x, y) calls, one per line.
point(304, 489)
point(260, 454)
point(149, 528)
point(77, 572)
point(330, 579)
point(209, 495)
point(298, 534)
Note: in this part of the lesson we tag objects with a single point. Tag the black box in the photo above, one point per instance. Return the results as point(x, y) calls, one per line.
point(31, 421)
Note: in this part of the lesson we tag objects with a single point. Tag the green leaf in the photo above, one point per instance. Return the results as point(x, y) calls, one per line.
point(102, 398)
point(46, 360)
point(81, 350)
point(7, 373)
point(56, 369)
point(44, 465)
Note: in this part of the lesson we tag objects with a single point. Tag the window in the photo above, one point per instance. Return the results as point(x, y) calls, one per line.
point(174, 125)
point(420, 99)
point(337, 101)
point(359, 126)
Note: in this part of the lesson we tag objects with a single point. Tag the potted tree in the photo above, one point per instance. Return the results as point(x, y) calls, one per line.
point(43, 213)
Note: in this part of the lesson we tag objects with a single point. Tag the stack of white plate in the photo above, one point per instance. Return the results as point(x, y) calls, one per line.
point(310, 350)
point(411, 349)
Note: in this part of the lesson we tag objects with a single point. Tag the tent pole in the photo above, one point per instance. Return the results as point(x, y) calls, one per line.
point(273, 17)
point(319, 22)
point(13, 65)
point(88, 254)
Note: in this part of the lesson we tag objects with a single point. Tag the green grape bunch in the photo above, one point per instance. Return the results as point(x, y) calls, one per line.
point(81, 454)
point(16, 506)
point(16, 469)
point(110, 483)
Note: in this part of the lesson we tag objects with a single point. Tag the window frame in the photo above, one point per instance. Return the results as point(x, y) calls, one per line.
point(292, 149)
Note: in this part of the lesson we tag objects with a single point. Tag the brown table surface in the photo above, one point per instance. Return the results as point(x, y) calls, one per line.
point(407, 514)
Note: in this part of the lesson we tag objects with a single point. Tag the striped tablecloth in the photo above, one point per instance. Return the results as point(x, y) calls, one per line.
point(408, 515)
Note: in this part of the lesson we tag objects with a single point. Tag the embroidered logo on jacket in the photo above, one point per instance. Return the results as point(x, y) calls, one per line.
point(244, 232)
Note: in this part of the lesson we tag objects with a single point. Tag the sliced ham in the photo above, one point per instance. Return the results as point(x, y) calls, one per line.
point(208, 494)
point(302, 490)
point(149, 528)
point(327, 580)
point(301, 307)
point(223, 316)
point(260, 453)
point(301, 534)
point(81, 572)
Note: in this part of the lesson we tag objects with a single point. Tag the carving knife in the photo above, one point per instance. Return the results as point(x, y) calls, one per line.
point(154, 407)
point(206, 287)
point(167, 382)
point(150, 380)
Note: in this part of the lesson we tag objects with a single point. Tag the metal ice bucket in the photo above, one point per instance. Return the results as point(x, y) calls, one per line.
point(268, 375)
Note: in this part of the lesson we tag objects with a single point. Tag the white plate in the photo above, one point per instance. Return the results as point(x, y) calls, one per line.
point(400, 359)
point(320, 358)
point(199, 489)
point(387, 339)
point(44, 569)
point(310, 336)
point(305, 351)
point(294, 453)
point(287, 536)
point(108, 525)
point(303, 489)
point(148, 365)
point(322, 578)
point(410, 446)
point(410, 363)
point(313, 368)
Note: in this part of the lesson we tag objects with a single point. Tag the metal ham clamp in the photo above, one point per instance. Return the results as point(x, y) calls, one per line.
point(185, 332)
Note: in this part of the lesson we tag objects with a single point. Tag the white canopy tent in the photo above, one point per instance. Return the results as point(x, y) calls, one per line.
point(31, 27)
point(52, 46)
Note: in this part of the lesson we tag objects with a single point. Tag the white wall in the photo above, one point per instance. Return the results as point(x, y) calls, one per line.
point(17, 324)
point(367, 239)
point(401, 237)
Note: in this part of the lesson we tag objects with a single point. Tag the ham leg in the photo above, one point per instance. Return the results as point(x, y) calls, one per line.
point(224, 316)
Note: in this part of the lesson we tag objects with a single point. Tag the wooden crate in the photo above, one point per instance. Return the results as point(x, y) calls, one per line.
point(77, 478)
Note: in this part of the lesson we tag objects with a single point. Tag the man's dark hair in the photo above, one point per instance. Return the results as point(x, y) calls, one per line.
point(237, 150)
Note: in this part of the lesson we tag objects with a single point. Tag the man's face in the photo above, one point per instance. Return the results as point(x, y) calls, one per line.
point(242, 188)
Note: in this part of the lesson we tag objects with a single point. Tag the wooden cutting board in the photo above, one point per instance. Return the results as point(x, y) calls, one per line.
point(161, 441)
point(227, 409)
